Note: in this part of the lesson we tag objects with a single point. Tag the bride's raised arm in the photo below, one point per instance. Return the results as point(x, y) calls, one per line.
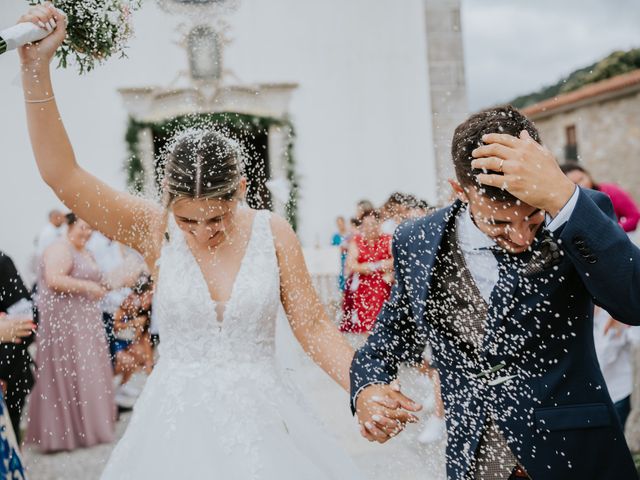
point(307, 316)
point(120, 216)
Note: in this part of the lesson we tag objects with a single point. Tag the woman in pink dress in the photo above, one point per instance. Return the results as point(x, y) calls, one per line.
point(72, 404)
point(369, 260)
point(625, 208)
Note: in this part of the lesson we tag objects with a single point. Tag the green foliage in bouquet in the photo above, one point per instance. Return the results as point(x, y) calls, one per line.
point(96, 30)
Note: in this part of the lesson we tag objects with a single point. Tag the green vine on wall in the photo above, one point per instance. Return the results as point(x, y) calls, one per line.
point(249, 124)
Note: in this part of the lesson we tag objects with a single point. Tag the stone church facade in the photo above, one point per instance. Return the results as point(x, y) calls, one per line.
point(598, 125)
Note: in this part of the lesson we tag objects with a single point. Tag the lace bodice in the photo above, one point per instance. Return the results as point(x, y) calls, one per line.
point(188, 319)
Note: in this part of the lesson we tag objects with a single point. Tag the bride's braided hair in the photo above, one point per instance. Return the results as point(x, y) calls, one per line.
point(202, 164)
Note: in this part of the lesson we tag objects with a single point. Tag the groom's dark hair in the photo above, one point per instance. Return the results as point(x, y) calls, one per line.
point(468, 136)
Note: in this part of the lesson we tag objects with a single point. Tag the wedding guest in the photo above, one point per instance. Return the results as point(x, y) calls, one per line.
point(369, 257)
point(121, 267)
point(108, 257)
point(16, 311)
point(420, 209)
point(133, 346)
point(410, 202)
point(11, 466)
point(362, 207)
point(14, 329)
point(624, 206)
point(72, 403)
point(393, 212)
point(340, 239)
point(614, 341)
point(53, 230)
point(351, 282)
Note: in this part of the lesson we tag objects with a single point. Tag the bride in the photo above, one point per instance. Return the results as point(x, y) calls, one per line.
point(214, 406)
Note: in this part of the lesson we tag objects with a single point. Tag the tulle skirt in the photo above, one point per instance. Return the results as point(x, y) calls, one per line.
point(233, 421)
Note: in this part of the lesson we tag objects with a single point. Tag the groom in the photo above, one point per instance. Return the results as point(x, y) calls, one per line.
point(501, 285)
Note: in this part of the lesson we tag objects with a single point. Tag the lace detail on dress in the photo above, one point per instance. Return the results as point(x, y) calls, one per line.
point(187, 317)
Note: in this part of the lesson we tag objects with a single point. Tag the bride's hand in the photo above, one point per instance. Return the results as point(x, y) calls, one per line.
point(41, 53)
point(383, 411)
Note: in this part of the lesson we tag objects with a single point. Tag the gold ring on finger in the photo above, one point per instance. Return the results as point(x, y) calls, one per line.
point(501, 164)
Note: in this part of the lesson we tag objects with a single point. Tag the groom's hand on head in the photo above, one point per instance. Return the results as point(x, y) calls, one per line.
point(383, 411)
point(525, 169)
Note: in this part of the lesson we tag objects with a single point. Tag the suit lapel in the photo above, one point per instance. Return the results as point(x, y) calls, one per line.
point(425, 251)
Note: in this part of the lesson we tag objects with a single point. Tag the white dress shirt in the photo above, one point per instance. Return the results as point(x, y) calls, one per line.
point(475, 245)
point(614, 351)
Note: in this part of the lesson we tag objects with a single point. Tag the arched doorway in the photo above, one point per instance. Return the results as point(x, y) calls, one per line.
point(257, 116)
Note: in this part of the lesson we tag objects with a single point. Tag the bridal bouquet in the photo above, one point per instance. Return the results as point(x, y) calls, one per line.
point(96, 30)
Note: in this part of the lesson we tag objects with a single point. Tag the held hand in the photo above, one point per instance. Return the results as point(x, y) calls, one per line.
point(14, 329)
point(529, 171)
point(383, 412)
point(47, 17)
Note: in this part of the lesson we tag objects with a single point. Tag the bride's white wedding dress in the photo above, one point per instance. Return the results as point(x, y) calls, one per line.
point(215, 406)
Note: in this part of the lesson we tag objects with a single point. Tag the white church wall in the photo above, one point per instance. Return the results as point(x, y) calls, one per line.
point(361, 111)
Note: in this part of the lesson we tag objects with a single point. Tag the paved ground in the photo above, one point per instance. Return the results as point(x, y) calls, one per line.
point(85, 464)
point(401, 459)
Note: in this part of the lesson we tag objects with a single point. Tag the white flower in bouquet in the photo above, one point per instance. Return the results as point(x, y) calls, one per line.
point(96, 30)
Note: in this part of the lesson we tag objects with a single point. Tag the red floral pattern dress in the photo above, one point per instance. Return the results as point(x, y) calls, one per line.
point(371, 290)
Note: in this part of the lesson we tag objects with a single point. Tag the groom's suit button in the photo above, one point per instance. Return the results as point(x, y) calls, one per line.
point(592, 259)
point(490, 370)
point(501, 380)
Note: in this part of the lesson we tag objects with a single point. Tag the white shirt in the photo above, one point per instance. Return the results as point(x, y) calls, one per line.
point(614, 355)
point(474, 245)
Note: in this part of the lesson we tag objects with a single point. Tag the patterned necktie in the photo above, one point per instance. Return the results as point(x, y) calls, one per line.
point(501, 300)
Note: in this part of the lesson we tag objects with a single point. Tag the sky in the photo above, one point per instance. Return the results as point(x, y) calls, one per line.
point(514, 47)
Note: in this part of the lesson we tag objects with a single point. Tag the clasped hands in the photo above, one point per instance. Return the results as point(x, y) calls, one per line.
point(383, 411)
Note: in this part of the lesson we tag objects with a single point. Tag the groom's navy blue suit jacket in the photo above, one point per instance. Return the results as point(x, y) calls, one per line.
point(556, 415)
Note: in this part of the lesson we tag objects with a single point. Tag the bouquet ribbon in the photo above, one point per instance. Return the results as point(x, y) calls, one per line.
point(21, 34)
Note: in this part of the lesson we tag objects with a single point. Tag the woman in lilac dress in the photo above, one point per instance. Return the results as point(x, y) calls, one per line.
point(72, 404)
